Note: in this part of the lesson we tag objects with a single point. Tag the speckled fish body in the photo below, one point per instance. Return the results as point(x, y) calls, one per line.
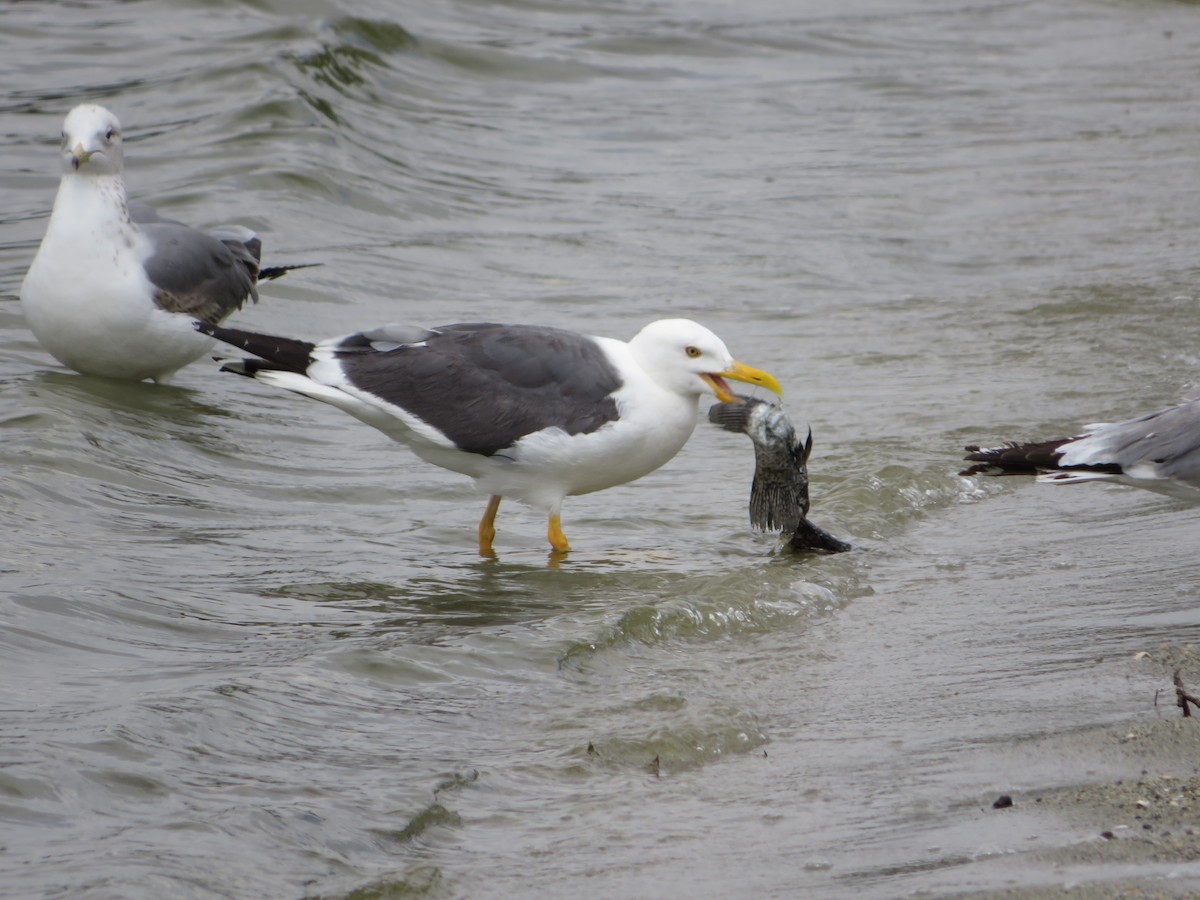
point(779, 492)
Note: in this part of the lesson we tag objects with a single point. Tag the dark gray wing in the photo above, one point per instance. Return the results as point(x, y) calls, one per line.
point(485, 386)
point(198, 274)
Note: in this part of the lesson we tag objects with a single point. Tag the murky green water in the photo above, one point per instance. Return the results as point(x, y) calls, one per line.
point(247, 648)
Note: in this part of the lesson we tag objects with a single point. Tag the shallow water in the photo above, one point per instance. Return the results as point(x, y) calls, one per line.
point(247, 647)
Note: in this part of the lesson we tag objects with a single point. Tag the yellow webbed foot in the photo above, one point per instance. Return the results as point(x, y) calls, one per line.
point(558, 540)
point(487, 527)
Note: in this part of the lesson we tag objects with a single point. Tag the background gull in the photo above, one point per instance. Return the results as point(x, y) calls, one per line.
point(529, 412)
point(114, 287)
point(1159, 451)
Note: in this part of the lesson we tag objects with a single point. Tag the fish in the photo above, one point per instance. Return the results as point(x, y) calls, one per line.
point(779, 498)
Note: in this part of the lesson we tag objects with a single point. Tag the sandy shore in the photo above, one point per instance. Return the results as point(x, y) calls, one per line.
point(1142, 830)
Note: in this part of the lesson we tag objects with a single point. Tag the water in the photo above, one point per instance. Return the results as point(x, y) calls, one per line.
point(247, 647)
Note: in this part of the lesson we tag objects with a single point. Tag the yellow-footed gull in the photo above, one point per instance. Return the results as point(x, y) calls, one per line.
point(114, 287)
point(528, 411)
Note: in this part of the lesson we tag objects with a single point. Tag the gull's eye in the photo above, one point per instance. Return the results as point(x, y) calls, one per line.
point(692, 350)
point(108, 135)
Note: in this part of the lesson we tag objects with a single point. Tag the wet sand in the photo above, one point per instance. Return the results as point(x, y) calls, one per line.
point(1145, 821)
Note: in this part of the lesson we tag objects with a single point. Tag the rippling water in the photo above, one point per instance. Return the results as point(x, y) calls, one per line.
point(247, 647)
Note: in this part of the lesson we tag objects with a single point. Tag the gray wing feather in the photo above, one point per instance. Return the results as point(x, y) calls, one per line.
point(198, 274)
point(391, 337)
point(242, 242)
point(1169, 438)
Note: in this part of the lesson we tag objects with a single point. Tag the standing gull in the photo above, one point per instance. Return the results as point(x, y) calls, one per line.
point(1159, 451)
point(529, 412)
point(114, 287)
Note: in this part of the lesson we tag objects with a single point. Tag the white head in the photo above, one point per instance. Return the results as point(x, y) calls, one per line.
point(688, 359)
point(91, 141)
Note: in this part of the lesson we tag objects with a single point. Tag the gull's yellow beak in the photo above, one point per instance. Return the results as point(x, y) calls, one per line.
point(743, 373)
point(79, 155)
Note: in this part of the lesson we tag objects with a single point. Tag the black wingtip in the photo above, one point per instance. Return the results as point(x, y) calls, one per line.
point(987, 469)
point(1031, 458)
point(284, 353)
point(270, 273)
point(247, 367)
point(1008, 459)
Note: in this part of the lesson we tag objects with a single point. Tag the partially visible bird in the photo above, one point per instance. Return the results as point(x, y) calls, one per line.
point(114, 287)
point(529, 412)
point(1159, 451)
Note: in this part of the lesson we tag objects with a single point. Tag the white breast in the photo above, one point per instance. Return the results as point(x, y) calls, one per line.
point(86, 295)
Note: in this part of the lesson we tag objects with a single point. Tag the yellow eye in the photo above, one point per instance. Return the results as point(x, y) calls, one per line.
point(692, 351)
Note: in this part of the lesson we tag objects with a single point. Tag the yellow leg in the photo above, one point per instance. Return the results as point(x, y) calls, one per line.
point(558, 540)
point(487, 526)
